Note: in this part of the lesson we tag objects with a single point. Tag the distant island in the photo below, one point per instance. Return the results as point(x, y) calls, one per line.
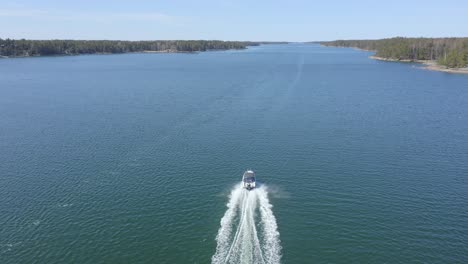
point(441, 54)
point(28, 48)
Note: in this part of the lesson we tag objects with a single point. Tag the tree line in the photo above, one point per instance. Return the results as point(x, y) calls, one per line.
point(450, 52)
point(25, 48)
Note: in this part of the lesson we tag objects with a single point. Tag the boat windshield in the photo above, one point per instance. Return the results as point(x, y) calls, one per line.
point(249, 179)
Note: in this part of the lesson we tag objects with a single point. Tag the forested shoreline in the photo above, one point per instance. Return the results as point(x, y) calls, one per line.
point(449, 52)
point(27, 48)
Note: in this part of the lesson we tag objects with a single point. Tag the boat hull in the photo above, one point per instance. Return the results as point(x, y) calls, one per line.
point(248, 180)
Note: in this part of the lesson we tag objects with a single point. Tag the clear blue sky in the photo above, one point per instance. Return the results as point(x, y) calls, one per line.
point(292, 20)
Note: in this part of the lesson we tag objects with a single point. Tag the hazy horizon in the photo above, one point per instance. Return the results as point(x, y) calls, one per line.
point(294, 21)
point(240, 40)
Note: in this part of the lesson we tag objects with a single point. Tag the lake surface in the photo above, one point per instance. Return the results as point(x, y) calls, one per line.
point(132, 158)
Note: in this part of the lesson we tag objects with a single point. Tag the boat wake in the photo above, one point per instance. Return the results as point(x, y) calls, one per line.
point(248, 232)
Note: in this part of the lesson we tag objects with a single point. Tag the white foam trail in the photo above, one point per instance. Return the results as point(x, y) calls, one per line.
point(224, 232)
point(244, 246)
point(271, 241)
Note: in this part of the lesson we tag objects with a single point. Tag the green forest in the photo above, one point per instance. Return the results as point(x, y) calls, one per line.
point(25, 48)
point(450, 52)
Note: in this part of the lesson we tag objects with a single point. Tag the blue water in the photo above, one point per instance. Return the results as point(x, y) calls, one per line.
point(132, 158)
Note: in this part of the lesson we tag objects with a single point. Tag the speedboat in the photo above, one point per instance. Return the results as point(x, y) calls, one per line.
point(248, 180)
